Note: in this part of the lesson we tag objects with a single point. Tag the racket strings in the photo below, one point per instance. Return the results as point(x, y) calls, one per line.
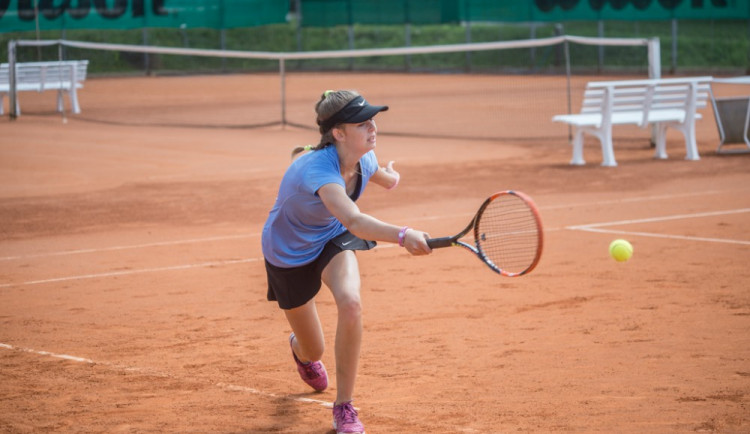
point(508, 234)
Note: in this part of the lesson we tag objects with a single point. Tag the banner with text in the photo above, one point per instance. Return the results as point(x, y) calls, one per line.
point(327, 13)
point(25, 15)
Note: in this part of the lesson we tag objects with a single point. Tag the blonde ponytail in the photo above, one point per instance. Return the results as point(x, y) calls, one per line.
point(300, 149)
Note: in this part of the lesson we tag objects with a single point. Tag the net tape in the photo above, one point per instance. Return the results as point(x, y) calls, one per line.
point(333, 54)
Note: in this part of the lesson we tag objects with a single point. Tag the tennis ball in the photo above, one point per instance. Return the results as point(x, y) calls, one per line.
point(620, 250)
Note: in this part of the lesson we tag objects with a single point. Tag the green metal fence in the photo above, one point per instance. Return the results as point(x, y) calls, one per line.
point(696, 35)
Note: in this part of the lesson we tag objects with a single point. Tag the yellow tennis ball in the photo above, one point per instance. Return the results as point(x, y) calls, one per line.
point(620, 250)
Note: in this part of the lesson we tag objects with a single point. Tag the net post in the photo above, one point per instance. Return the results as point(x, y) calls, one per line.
point(600, 32)
point(407, 41)
point(654, 72)
point(12, 94)
point(36, 27)
point(654, 58)
point(282, 76)
point(298, 29)
point(673, 70)
point(73, 81)
point(566, 46)
point(146, 56)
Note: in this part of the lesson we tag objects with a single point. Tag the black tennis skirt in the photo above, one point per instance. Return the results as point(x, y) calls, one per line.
point(293, 287)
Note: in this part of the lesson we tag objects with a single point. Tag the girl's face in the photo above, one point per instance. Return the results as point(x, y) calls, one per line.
point(361, 136)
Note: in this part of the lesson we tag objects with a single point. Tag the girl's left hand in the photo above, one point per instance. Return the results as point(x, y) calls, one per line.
point(392, 173)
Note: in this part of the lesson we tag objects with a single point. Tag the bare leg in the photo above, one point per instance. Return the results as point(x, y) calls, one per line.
point(341, 275)
point(309, 342)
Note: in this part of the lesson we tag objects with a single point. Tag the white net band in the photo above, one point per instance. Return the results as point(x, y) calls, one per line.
point(434, 49)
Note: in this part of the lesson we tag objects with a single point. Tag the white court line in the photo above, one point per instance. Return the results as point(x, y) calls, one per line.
point(273, 395)
point(132, 246)
point(129, 272)
point(226, 386)
point(596, 227)
point(148, 270)
point(633, 199)
point(46, 353)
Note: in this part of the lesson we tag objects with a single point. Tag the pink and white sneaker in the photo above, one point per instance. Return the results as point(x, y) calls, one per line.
point(312, 373)
point(345, 420)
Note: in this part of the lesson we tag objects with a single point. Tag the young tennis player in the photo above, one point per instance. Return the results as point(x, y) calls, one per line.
point(312, 232)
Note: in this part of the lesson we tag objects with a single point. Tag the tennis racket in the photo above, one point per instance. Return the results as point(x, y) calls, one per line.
point(507, 234)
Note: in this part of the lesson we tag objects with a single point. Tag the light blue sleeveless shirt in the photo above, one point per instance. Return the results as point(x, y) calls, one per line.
point(299, 225)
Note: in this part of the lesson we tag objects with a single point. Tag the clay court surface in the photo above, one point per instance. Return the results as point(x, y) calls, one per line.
point(132, 287)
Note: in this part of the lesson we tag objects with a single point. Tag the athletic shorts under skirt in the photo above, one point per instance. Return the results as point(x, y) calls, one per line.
point(293, 287)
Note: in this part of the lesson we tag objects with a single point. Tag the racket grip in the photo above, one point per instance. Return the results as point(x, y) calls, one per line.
point(436, 243)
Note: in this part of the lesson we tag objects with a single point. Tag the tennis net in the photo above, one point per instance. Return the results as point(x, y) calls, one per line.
point(510, 90)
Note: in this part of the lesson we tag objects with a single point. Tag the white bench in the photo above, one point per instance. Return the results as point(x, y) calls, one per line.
point(670, 102)
point(63, 76)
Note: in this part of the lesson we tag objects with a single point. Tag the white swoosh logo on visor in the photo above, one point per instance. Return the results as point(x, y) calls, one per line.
point(362, 103)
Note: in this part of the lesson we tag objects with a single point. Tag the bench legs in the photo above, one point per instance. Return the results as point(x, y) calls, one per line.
point(661, 142)
point(73, 102)
point(578, 148)
point(605, 138)
point(608, 153)
point(691, 147)
point(72, 96)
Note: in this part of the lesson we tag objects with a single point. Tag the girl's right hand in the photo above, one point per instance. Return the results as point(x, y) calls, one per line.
point(415, 242)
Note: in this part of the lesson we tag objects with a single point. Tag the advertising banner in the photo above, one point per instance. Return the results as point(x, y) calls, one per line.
point(25, 15)
point(325, 13)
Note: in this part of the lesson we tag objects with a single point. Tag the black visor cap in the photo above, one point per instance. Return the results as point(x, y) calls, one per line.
point(354, 112)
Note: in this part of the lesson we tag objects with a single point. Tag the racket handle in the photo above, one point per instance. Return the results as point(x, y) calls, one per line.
point(436, 243)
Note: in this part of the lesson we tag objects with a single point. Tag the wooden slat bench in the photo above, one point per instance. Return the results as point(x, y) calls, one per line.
point(64, 76)
point(670, 102)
